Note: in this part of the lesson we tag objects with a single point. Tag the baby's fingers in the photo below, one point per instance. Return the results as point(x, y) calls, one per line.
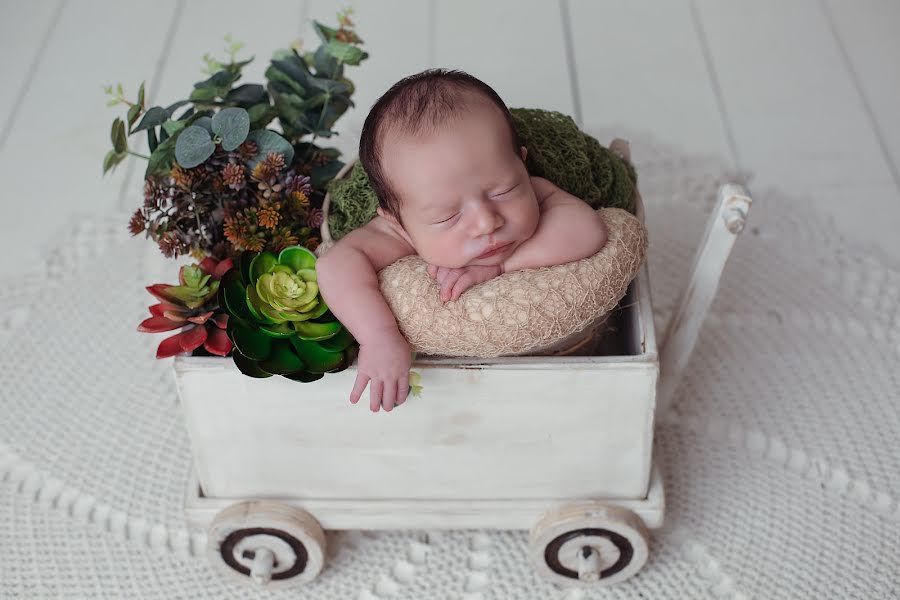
point(358, 387)
point(402, 389)
point(449, 282)
point(432, 271)
point(375, 390)
point(461, 285)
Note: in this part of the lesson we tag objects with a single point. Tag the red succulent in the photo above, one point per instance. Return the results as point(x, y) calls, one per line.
point(193, 307)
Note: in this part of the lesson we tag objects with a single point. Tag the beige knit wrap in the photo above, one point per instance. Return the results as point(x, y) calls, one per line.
point(522, 312)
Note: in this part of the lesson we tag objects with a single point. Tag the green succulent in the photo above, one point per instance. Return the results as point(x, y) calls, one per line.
point(279, 323)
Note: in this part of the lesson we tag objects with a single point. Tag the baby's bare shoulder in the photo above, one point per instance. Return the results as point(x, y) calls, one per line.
point(378, 240)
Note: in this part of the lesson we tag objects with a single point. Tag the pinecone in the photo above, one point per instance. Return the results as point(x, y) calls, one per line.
point(316, 216)
point(233, 176)
point(138, 223)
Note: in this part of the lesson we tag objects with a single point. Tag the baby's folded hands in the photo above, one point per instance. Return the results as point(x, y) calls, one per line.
point(454, 282)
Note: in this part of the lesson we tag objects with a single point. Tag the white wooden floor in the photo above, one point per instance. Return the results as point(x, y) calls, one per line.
point(803, 93)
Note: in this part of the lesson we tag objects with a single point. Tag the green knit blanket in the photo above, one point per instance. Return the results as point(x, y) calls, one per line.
point(557, 150)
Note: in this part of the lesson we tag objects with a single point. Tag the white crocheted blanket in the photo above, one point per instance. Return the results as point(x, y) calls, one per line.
point(780, 458)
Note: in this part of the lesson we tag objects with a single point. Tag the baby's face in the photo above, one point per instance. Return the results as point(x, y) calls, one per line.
point(463, 191)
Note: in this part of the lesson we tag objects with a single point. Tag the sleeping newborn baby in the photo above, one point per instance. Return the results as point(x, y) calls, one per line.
point(441, 153)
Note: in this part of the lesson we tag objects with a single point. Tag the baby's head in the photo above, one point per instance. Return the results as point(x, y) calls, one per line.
point(441, 152)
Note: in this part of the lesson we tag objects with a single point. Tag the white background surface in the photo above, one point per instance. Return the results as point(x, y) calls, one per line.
point(803, 94)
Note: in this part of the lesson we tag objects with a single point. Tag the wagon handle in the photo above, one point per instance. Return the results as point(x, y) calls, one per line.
point(725, 223)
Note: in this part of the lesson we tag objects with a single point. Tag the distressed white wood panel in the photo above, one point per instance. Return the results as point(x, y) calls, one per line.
point(516, 47)
point(395, 34)
point(51, 164)
point(201, 29)
point(23, 27)
point(640, 65)
point(798, 119)
point(367, 513)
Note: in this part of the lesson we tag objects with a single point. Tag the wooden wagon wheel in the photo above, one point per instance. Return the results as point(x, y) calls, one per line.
point(266, 543)
point(588, 542)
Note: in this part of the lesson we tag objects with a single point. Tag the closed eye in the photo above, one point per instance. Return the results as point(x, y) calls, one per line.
point(445, 220)
point(507, 191)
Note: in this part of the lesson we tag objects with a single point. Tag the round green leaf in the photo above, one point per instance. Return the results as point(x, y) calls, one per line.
point(269, 141)
point(193, 147)
point(232, 125)
point(297, 258)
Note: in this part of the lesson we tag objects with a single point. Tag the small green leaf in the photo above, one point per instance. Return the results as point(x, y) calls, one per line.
point(261, 115)
point(152, 142)
point(117, 135)
point(344, 52)
point(247, 95)
point(171, 127)
point(339, 342)
point(162, 158)
point(317, 331)
point(111, 160)
point(269, 141)
point(133, 112)
point(232, 125)
point(155, 116)
point(140, 99)
point(326, 34)
point(193, 147)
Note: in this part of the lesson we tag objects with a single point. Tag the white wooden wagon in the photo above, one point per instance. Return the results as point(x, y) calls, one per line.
point(560, 445)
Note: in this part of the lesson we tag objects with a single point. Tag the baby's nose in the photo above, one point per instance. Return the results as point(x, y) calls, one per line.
point(487, 219)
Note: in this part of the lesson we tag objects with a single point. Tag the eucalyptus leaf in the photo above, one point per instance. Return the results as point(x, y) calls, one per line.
point(321, 175)
point(326, 64)
point(344, 52)
point(171, 127)
point(140, 99)
point(119, 141)
point(261, 115)
point(152, 142)
point(326, 34)
point(247, 95)
point(155, 116)
point(232, 125)
point(111, 160)
point(269, 141)
point(133, 111)
point(193, 147)
point(162, 158)
point(204, 121)
point(327, 85)
point(170, 109)
point(286, 80)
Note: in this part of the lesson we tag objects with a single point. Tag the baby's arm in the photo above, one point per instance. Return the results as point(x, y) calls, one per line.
point(348, 281)
point(569, 229)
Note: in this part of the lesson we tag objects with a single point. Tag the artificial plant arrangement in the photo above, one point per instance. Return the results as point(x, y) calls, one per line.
point(235, 179)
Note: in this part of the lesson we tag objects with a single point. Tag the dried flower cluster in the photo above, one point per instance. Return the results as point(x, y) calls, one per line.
point(222, 207)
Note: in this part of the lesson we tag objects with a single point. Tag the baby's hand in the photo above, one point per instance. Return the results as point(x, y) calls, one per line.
point(386, 366)
point(454, 282)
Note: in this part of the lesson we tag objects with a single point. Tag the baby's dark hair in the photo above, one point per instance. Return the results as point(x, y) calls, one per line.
point(423, 101)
